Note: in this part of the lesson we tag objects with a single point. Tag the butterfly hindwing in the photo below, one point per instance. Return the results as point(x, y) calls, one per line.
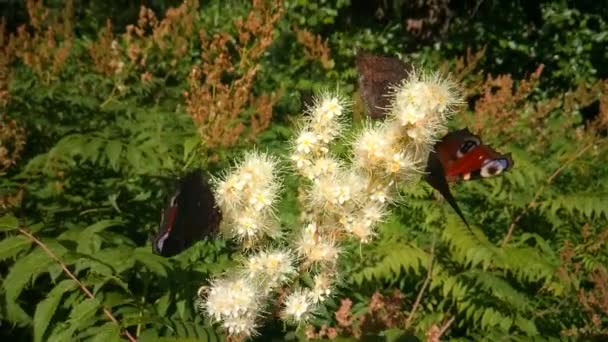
point(191, 215)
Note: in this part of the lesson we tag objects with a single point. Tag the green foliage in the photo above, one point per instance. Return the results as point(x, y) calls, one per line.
point(103, 149)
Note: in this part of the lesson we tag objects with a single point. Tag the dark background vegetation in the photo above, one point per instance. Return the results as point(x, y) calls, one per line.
point(103, 104)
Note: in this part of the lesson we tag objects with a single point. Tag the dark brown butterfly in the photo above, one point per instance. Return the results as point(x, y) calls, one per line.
point(376, 75)
point(191, 215)
point(460, 155)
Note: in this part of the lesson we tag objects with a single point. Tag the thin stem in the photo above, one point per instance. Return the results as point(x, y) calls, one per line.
point(71, 275)
point(445, 327)
point(540, 191)
point(427, 280)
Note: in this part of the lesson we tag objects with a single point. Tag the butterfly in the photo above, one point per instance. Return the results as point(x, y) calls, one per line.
point(376, 76)
point(191, 215)
point(460, 155)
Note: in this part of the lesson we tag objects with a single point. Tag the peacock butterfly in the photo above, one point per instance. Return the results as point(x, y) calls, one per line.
point(191, 215)
point(460, 155)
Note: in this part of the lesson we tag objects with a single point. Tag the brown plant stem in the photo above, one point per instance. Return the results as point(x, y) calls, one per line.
point(540, 191)
point(446, 326)
point(410, 318)
point(71, 275)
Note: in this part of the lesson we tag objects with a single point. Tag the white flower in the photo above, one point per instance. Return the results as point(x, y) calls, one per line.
point(410, 115)
point(403, 165)
point(373, 213)
point(306, 142)
point(422, 96)
point(298, 305)
point(362, 230)
point(231, 298)
point(397, 163)
point(370, 147)
point(325, 166)
point(228, 192)
point(259, 169)
point(240, 325)
point(318, 250)
point(331, 107)
point(274, 267)
point(380, 194)
point(342, 193)
point(441, 95)
point(334, 192)
point(301, 160)
point(248, 224)
point(262, 198)
point(321, 289)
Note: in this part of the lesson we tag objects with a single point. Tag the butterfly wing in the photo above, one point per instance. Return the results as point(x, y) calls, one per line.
point(376, 75)
point(454, 146)
point(461, 155)
point(191, 215)
point(465, 157)
point(435, 176)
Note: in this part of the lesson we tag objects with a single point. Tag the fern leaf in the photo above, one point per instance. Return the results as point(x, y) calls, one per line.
point(526, 325)
point(393, 263)
point(11, 246)
point(8, 222)
point(499, 288)
point(108, 332)
point(25, 269)
point(113, 152)
point(46, 308)
point(82, 312)
point(152, 262)
point(86, 236)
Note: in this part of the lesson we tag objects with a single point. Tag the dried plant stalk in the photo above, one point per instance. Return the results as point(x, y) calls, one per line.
point(221, 100)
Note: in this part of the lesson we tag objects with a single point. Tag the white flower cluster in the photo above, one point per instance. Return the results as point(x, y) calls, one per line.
point(270, 269)
point(338, 193)
point(340, 200)
point(234, 303)
point(344, 200)
point(247, 197)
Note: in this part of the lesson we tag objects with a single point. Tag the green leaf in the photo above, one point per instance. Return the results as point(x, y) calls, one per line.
point(23, 271)
point(108, 332)
point(190, 145)
point(12, 245)
point(113, 151)
point(86, 237)
point(134, 156)
point(46, 308)
point(82, 312)
point(156, 264)
point(162, 304)
point(8, 222)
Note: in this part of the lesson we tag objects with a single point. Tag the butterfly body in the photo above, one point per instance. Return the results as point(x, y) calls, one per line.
point(190, 215)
